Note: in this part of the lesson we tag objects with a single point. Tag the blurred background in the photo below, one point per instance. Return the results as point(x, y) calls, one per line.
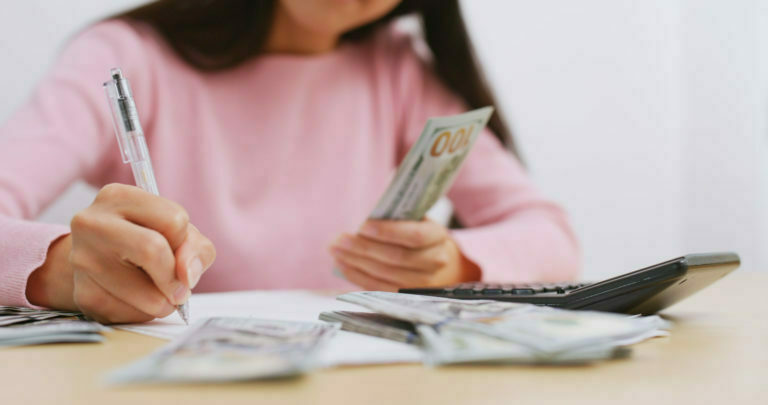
point(645, 119)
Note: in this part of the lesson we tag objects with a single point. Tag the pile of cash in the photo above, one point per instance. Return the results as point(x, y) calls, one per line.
point(472, 331)
point(230, 349)
point(26, 326)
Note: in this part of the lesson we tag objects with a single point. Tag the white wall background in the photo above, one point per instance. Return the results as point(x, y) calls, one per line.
point(645, 119)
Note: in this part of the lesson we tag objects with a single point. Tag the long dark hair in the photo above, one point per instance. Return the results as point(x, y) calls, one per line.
point(214, 35)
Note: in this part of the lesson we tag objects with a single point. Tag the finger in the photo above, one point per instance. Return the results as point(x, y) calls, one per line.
point(148, 210)
point(358, 277)
point(428, 259)
point(410, 234)
point(393, 275)
point(194, 257)
point(98, 304)
point(131, 285)
point(135, 245)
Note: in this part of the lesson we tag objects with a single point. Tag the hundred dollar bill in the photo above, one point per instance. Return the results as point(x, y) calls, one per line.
point(448, 346)
point(431, 165)
point(545, 333)
point(372, 324)
point(556, 330)
point(51, 331)
point(22, 315)
point(231, 349)
point(434, 310)
point(10, 310)
point(21, 326)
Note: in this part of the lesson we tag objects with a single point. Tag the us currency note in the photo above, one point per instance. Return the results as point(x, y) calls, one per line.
point(555, 330)
point(231, 349)
point(484, 330)
point(11, 310)
point(431, 165)
point(51, 331)
point(434, 310)
point(373, 324)
point(20, 315)
point(449, 346)
point(20, 326)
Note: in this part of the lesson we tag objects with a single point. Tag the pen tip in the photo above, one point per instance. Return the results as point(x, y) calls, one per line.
point(183, 311)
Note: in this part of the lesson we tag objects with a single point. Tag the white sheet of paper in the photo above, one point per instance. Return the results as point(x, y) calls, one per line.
point(345, 348)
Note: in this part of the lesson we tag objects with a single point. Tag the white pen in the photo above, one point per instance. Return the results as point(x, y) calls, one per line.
point(133, 146)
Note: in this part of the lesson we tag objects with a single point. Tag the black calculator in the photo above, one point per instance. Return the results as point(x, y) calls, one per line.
point(645, 291)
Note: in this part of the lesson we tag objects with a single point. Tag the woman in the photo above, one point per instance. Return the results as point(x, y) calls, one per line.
point(273, 126)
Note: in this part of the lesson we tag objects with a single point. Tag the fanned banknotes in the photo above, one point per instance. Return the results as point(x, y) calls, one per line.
point(232, 349)
point(368, 323)
point(430, 167)
point(21, 315)
point(56, 331)
point(21, 326)
point(460, 331)
point(428, 170)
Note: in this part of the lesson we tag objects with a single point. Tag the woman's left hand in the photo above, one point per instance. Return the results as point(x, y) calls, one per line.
point(387, 255)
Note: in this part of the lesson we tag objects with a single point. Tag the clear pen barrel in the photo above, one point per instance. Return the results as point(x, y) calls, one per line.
point(130, 136)
point(142, 172)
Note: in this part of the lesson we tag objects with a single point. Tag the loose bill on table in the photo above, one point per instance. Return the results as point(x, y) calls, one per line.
point(232, 349)
point(20, 326)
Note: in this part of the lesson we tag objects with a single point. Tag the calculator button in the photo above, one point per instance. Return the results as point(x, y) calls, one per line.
point(522, 291)
point(426, 291)
point(463, 291)
point(492, 291)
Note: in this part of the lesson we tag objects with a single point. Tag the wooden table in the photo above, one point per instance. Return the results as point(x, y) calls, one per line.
point(717, 353)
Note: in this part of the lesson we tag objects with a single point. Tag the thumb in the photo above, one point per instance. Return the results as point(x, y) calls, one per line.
point(193, 257)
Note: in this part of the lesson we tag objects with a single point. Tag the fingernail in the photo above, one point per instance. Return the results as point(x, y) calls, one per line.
point(181, 294)
point(369, 229)
point(194, 271)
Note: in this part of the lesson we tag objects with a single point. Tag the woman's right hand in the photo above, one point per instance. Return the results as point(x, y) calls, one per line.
point(131, 257)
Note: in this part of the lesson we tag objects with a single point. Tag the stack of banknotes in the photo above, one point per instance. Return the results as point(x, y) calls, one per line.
point(474, 331)
point(26, 326)
point(222, 349)
point(431, 165)
point(373, 324)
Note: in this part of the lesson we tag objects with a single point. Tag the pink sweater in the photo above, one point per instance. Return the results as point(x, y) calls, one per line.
point(271, 159)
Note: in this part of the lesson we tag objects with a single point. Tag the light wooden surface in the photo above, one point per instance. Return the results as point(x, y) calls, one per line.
point(717, 353)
